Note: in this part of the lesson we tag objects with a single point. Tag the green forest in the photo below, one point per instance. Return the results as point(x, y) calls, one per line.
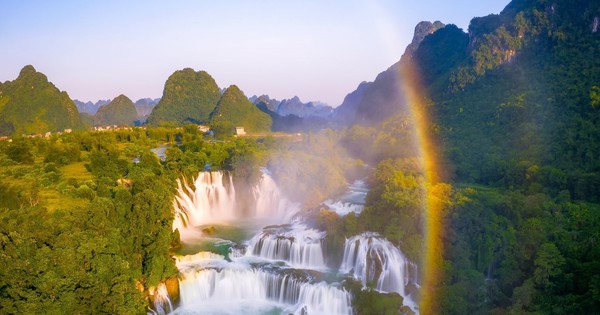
point(84, 228)
point(517, 116)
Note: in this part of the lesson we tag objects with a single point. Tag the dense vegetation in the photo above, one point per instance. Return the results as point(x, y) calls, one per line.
point(518, 117)
point(30, 104)
point(84, 228)
point(120, 111)
point(515, 106)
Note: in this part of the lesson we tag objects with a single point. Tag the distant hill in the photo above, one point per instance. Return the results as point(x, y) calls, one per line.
point(235, 110)
point(144, 106)
point(270, 104)
point(292, 122)
point(120, 111)
point(188, 96)
point(32, 104)
point(87, 120)
point(89, 107)
point(293, 106)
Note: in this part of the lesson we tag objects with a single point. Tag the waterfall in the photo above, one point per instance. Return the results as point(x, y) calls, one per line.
point(212, 201)
point(325, 299)
point(373, 259)
point(237, 284)
point(352, 201)
point(343, 208)
point(295, 244)
point(198, 257)
point(270, 203)
point(273, 272)
point(161, 300)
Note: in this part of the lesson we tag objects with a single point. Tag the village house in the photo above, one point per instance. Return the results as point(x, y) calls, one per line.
point(203, 128)
point(239, 131)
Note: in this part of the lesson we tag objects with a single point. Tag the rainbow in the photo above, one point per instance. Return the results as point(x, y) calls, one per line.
point(433, 204)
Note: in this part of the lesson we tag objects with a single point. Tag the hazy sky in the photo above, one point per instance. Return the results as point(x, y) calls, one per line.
point(318, 50)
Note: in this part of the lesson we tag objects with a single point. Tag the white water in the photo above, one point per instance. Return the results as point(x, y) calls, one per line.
point(296, 244)
point(373, 259)
point(271, 206)
point(194, 258)
point(228, 287)
point(212, 200)
point(274, 271)
point(352, 201)
point(252, 279)
point(162, 301)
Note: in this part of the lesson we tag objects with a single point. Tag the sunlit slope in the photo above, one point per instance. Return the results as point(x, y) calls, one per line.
point(32, 104)
point(188, 96)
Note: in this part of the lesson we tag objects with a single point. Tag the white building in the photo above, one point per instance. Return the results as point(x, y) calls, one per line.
point(239, 131)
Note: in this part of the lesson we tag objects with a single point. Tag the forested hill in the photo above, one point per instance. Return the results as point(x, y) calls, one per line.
point(517, 97)
point(234, 109)
point(519, 93)
point(514, 104)
point(30, 104)
point(515, 101)
point(120, 111)
point(195, 97)
point(189, 96)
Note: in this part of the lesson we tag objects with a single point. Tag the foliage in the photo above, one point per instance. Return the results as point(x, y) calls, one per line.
point(30, 105)
point(81, 239)
point(369, 301)
point(120, 111)
point(235, 110)
point(189, 96)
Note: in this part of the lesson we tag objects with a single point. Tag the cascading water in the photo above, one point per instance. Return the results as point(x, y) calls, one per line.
point(352, 201)
point(250, 277)
point(373, 259)
point(228, 287)
point(212, 201)
point(281, 269)
point(295, 244)
point(271, 206)
point(162, 301)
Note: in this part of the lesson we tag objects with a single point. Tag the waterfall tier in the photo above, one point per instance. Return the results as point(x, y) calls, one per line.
point(352, 201)
point(212, 200)
point(227, 288)
point(373, 259)
point(271, 205)
point(198, 257)
point(344, 208)
point(296, 244)
point(161, 300)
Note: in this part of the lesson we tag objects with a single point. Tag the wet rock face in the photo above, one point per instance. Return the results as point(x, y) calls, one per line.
point(172, 285)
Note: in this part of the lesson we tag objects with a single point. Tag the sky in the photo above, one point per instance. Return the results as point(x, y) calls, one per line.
point(318, 50)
